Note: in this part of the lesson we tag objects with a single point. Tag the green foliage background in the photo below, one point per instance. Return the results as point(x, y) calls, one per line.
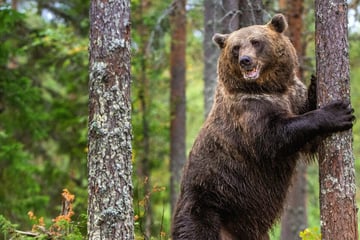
point(43, 108)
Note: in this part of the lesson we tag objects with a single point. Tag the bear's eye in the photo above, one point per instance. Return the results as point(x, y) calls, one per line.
point(255, 43)
point(235, 50)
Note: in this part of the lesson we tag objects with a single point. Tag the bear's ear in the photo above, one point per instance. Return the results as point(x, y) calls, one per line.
point(220, 39)
point(278, 23)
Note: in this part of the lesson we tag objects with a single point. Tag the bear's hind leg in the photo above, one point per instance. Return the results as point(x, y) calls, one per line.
point(265, 237)
point(205, 227)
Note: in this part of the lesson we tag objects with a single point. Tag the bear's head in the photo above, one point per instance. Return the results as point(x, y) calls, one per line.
point(257, 58)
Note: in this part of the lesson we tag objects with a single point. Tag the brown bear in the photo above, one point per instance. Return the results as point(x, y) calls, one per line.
point(240, 167)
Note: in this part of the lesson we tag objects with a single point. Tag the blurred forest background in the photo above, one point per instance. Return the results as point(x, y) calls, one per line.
point(44, 106)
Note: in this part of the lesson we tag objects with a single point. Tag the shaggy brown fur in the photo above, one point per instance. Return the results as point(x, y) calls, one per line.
point(240, 167)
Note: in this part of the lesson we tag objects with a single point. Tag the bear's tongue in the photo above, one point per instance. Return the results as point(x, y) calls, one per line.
point(252, 74)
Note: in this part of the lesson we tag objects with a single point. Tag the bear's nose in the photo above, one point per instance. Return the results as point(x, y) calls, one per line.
point(245, 61)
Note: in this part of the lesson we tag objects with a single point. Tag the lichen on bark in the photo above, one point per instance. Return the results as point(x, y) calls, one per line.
point(336, 161)
point(110, 213)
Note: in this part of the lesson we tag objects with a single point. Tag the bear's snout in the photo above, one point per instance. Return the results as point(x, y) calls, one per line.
point(246, 61)
point(249, 67)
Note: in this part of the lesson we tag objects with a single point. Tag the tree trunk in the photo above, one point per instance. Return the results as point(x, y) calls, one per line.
point(177, 96)
point(222, 16)
point(336, 161)
point(282, 5)
point(14, 4)
point(110, 212)
point(251, 13)
point(294, 218)
point(143, 168)
point(219, 16)
point(212, 12)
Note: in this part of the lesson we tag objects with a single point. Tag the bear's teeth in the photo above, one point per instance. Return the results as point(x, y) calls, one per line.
point(252, 74)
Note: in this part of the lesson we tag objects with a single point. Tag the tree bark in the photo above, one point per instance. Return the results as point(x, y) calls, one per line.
point(144, 167)
point(294, 10)
point(14, 4)
point(283, 5)
point(219, 16)
point(212, 12)
point(110, 212)
point(294, 218)
point(177, 96)
point(251, 13)
point(336, 160)
point(223, 16)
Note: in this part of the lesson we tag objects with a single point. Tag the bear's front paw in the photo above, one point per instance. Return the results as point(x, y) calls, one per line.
point(337, 116)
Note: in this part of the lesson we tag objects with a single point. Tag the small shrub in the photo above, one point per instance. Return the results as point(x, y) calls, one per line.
point(63, 227)
point(310, 234)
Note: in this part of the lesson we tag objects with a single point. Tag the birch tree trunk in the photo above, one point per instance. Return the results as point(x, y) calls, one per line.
point(110, 212)
point(336, 160)
point(177, 96)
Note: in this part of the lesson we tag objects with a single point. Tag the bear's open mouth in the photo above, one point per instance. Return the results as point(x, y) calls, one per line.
point(253, 73)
